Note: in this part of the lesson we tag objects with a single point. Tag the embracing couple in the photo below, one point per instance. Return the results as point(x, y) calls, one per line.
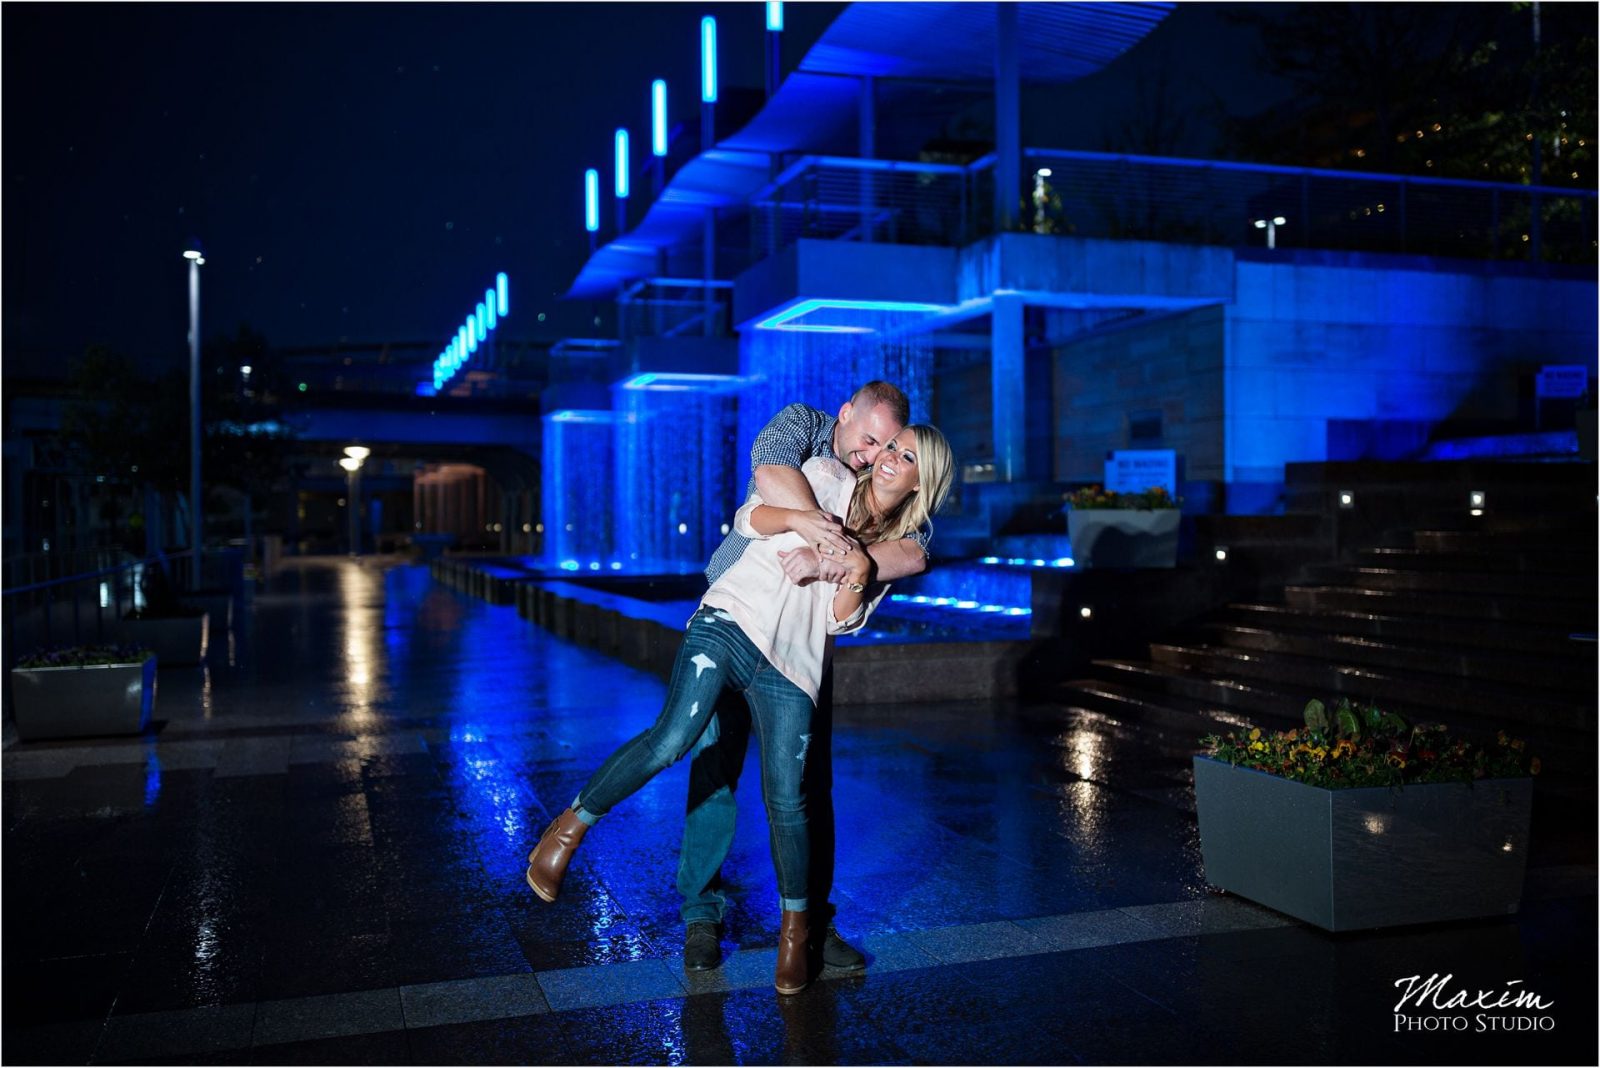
point(837, 507)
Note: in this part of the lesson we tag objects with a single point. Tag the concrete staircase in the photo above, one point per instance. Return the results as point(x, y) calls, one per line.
point(1482, 625)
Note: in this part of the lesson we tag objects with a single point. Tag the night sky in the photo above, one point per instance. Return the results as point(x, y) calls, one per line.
point(359, 172)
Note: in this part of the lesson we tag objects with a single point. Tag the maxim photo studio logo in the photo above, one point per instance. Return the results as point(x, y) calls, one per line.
point(1434, 1004)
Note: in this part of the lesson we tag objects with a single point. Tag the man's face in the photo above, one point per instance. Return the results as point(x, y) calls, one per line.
point(862, 433)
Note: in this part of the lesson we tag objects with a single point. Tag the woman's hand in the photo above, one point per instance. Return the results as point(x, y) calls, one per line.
point(822, 531)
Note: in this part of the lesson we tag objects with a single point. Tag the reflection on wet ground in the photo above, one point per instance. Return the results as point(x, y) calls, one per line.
point(319, 857)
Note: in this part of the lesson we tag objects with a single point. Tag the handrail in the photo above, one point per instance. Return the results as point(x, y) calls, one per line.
point(85, 577)
point(1301, 172)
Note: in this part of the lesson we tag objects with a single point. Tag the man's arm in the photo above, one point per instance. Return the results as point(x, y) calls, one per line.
point(786, 487)
point(891, 560)
point(897, 559)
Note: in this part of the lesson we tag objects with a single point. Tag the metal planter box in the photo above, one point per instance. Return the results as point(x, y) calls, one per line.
point(72, 702)
point(176, 640)
point(1123, 537)
point(1349, 860)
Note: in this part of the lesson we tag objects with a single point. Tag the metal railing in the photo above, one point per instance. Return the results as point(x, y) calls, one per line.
point(1186, 201)
point(1216, 202)
point(844, 199)
point(44, 608)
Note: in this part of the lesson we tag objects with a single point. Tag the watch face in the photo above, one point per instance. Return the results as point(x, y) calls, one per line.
point(855, 587)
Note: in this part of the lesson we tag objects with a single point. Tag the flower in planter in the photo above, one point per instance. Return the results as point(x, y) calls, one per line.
point(1362, 745)
point(1156, 497)
point(84, 656)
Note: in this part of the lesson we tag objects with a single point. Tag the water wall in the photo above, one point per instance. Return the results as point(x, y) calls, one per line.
point(579, 474)
point(675, 471)
point(823, 368)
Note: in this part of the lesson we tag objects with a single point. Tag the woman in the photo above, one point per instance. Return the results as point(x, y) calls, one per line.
point(757, 632)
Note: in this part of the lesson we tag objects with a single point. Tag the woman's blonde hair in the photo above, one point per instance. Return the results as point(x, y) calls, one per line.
point(935, 472)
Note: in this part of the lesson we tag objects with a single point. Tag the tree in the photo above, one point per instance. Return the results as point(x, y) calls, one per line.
point(1458, 90)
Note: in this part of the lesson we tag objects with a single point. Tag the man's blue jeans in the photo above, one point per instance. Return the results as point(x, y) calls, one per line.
point(718, 760)
point(716, 655)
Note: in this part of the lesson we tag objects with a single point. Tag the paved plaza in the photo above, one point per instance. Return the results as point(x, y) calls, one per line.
point(318, 858)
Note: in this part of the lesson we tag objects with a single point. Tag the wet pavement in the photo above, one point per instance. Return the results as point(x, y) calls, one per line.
point(318, 859)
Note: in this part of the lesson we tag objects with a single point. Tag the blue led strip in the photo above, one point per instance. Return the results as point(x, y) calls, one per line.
point(474, 330)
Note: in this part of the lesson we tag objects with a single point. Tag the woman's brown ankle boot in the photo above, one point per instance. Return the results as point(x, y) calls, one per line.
point(792, 939)
point(549, 859)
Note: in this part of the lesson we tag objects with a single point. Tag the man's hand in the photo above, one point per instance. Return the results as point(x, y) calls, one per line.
point(804, 566)
point(822, 532)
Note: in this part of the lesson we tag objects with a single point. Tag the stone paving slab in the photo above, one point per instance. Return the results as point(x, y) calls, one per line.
point(324, 864)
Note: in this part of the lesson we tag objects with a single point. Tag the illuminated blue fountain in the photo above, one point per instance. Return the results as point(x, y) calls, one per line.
point(676, 463)
point(578, 478)
point(824, 362)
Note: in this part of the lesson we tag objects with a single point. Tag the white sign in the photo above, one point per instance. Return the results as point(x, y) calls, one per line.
point(1562, 380)
point(1136, 470)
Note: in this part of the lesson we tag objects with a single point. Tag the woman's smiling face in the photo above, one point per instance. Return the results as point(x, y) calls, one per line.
point(895, 471)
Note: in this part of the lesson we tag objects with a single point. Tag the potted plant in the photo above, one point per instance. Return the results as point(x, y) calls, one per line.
point(1109, 529)
point(83, 690)
point(1360, 820)
point(177, 632)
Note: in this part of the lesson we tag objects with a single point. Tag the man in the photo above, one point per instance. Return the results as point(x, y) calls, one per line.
point(865, 424)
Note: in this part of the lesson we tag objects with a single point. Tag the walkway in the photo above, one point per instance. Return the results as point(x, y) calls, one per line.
point(319, 859)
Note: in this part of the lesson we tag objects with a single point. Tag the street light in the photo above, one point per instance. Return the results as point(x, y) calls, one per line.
point(1271, 227)
point(355, 456)
point(195, 258)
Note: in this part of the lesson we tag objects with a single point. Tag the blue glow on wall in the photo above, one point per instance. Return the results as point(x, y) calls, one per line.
point(708, 60)
point(658, 117)
point(591, 200)
point(622, 164)
point(578, 487)
point(502, 295)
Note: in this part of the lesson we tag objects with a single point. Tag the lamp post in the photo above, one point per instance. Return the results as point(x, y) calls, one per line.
point(193, 255)
point(351, 461)
point(1271, 227)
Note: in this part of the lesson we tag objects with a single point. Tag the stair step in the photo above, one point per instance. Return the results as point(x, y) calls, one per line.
point(1477, 633)
point(1439, 695)
point(1572, 673)
point(1196, 717)
point(1557, 587)
point(1573, 614)
point(1488, 541)
point(1561, 751)
point(1544, 561)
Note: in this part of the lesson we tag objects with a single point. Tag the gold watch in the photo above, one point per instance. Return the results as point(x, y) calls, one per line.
point(855, 587)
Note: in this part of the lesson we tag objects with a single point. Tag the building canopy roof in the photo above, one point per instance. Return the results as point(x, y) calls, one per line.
point(815, 110)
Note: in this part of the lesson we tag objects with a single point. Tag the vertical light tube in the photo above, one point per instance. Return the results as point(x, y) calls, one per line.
point(501, 295)
point(591, 200)
point(480, 322)
point(708, 60)
point(658, 117)
point(491, 319)
point(775, 16)
point(622, 164)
